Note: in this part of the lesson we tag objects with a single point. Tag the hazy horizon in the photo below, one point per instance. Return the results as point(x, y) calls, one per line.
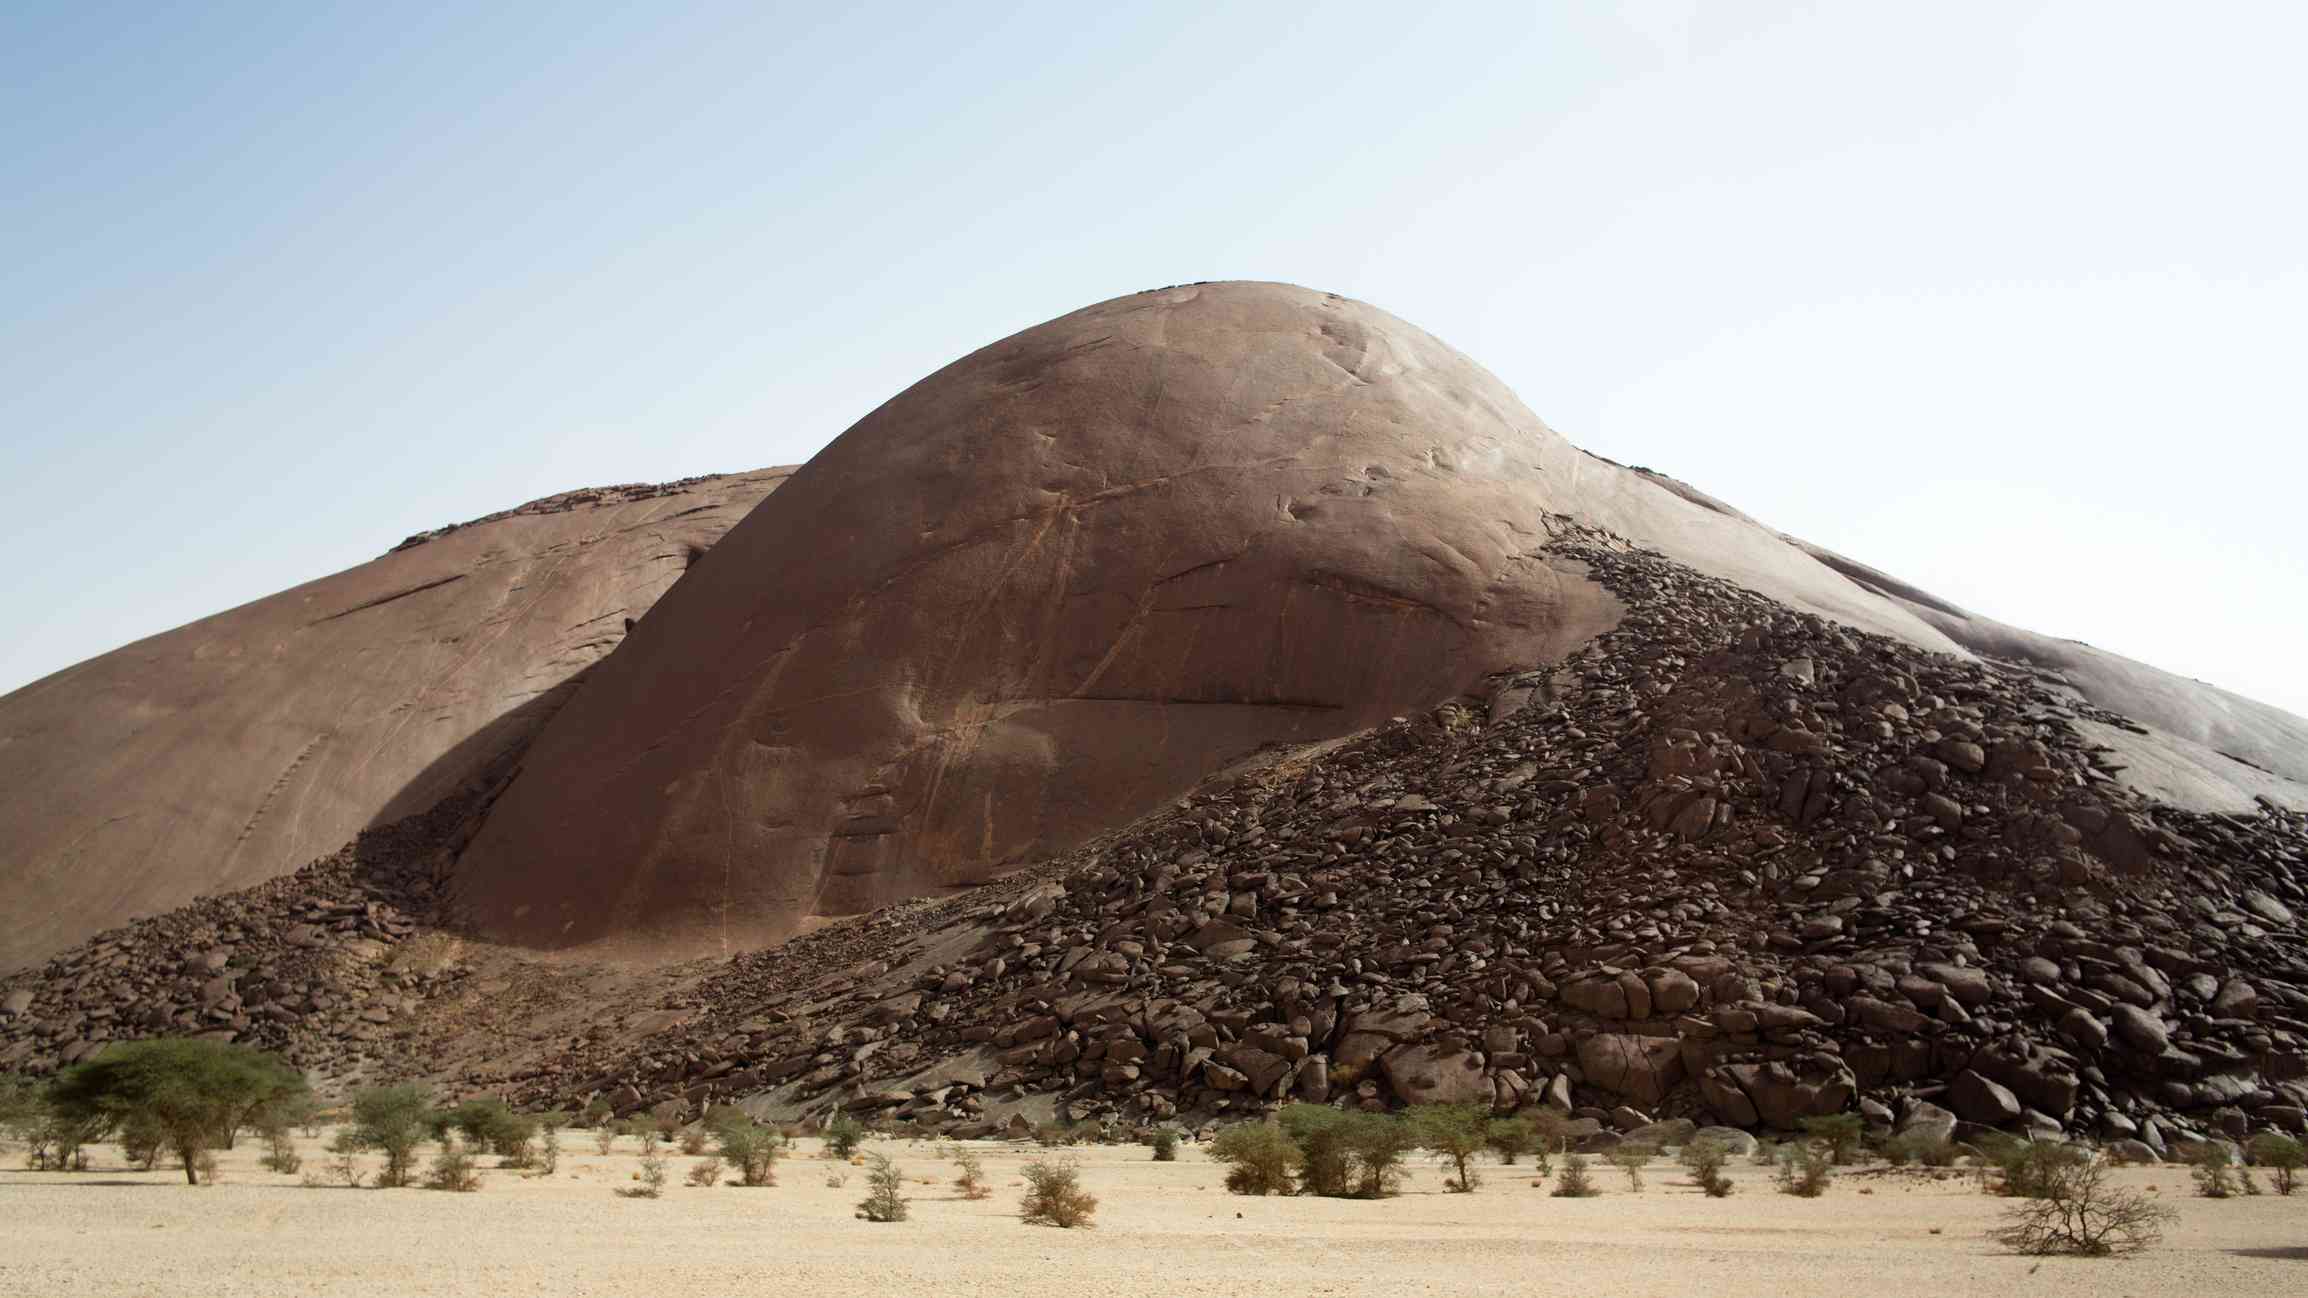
point(2005, 300)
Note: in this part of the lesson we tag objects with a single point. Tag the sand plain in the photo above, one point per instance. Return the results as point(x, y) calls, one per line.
point(1163, 1229)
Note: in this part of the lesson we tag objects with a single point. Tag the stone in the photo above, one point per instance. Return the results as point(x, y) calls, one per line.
point(1976, 1099)
point(1421, 1075)
point(1643, 1069)
point(1927, 1121)
point(2139, 1030)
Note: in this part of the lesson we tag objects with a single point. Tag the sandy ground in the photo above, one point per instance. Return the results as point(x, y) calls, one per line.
point(1162, 1229)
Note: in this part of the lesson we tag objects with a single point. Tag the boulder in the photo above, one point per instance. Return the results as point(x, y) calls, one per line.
point(1643, 1069)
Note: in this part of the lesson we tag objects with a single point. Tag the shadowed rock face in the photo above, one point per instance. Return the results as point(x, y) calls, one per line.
point(1048, 587)
point(238, 748)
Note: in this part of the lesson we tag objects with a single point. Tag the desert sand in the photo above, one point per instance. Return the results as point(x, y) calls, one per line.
point(1167, 1229)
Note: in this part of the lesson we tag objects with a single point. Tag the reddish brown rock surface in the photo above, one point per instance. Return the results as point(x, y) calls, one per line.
point(244, 745)
point(1051, 585)
point(1034, 595)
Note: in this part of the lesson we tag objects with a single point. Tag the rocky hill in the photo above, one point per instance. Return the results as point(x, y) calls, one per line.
point(1057, 582)
point(242, 746)
point(1230, 694)
point(1728, 861)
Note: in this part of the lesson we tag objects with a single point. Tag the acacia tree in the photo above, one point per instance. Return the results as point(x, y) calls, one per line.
point(189, 1094)
point(1456, 1133)
point(394, 1120)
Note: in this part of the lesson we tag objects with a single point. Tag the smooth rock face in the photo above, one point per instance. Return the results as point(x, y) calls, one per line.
point(1052, 585)
point(245, 745)
point(1036, 594)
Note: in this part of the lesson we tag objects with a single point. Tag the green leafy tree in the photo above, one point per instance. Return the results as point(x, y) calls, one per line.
point(1843, 1134)
point(1511, 1138)
point(392, 1120)
point(191, 1094)
point(1455, 1133)
point(753, 1149)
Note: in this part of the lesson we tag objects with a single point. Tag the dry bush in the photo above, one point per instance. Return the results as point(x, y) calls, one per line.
point(1575, 1181)
point(2079, 1212)
point(972, 1181)
point(548, 1160)
point(605, 1137)
point(1054, 1195)
point(705, 1172)
point(649, 1178)
point(694, 1141)
point(280, 1152)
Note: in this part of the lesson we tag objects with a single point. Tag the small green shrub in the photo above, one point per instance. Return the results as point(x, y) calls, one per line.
point(2282, 1156)
point(1575, 1181)
point(884, 1199)
point(649, 1178)
point(1165, 1141)
point(453, 1169)
point(2027, 1169)
point(753, 1149)
point(1347, 1153)
point(1806, 1168)
point(1054, 1195)
point(843, 1135)
point(1630, 1157)
point(1919, 1146)
point(2214, 1168)
point(1706, 1159)
point(1842, 1133)
point(1258, 1157)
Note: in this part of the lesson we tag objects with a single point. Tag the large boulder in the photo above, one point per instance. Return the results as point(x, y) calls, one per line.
point(1643, 1069)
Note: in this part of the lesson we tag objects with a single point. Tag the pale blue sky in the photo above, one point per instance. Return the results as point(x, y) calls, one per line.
point(2008, 299)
